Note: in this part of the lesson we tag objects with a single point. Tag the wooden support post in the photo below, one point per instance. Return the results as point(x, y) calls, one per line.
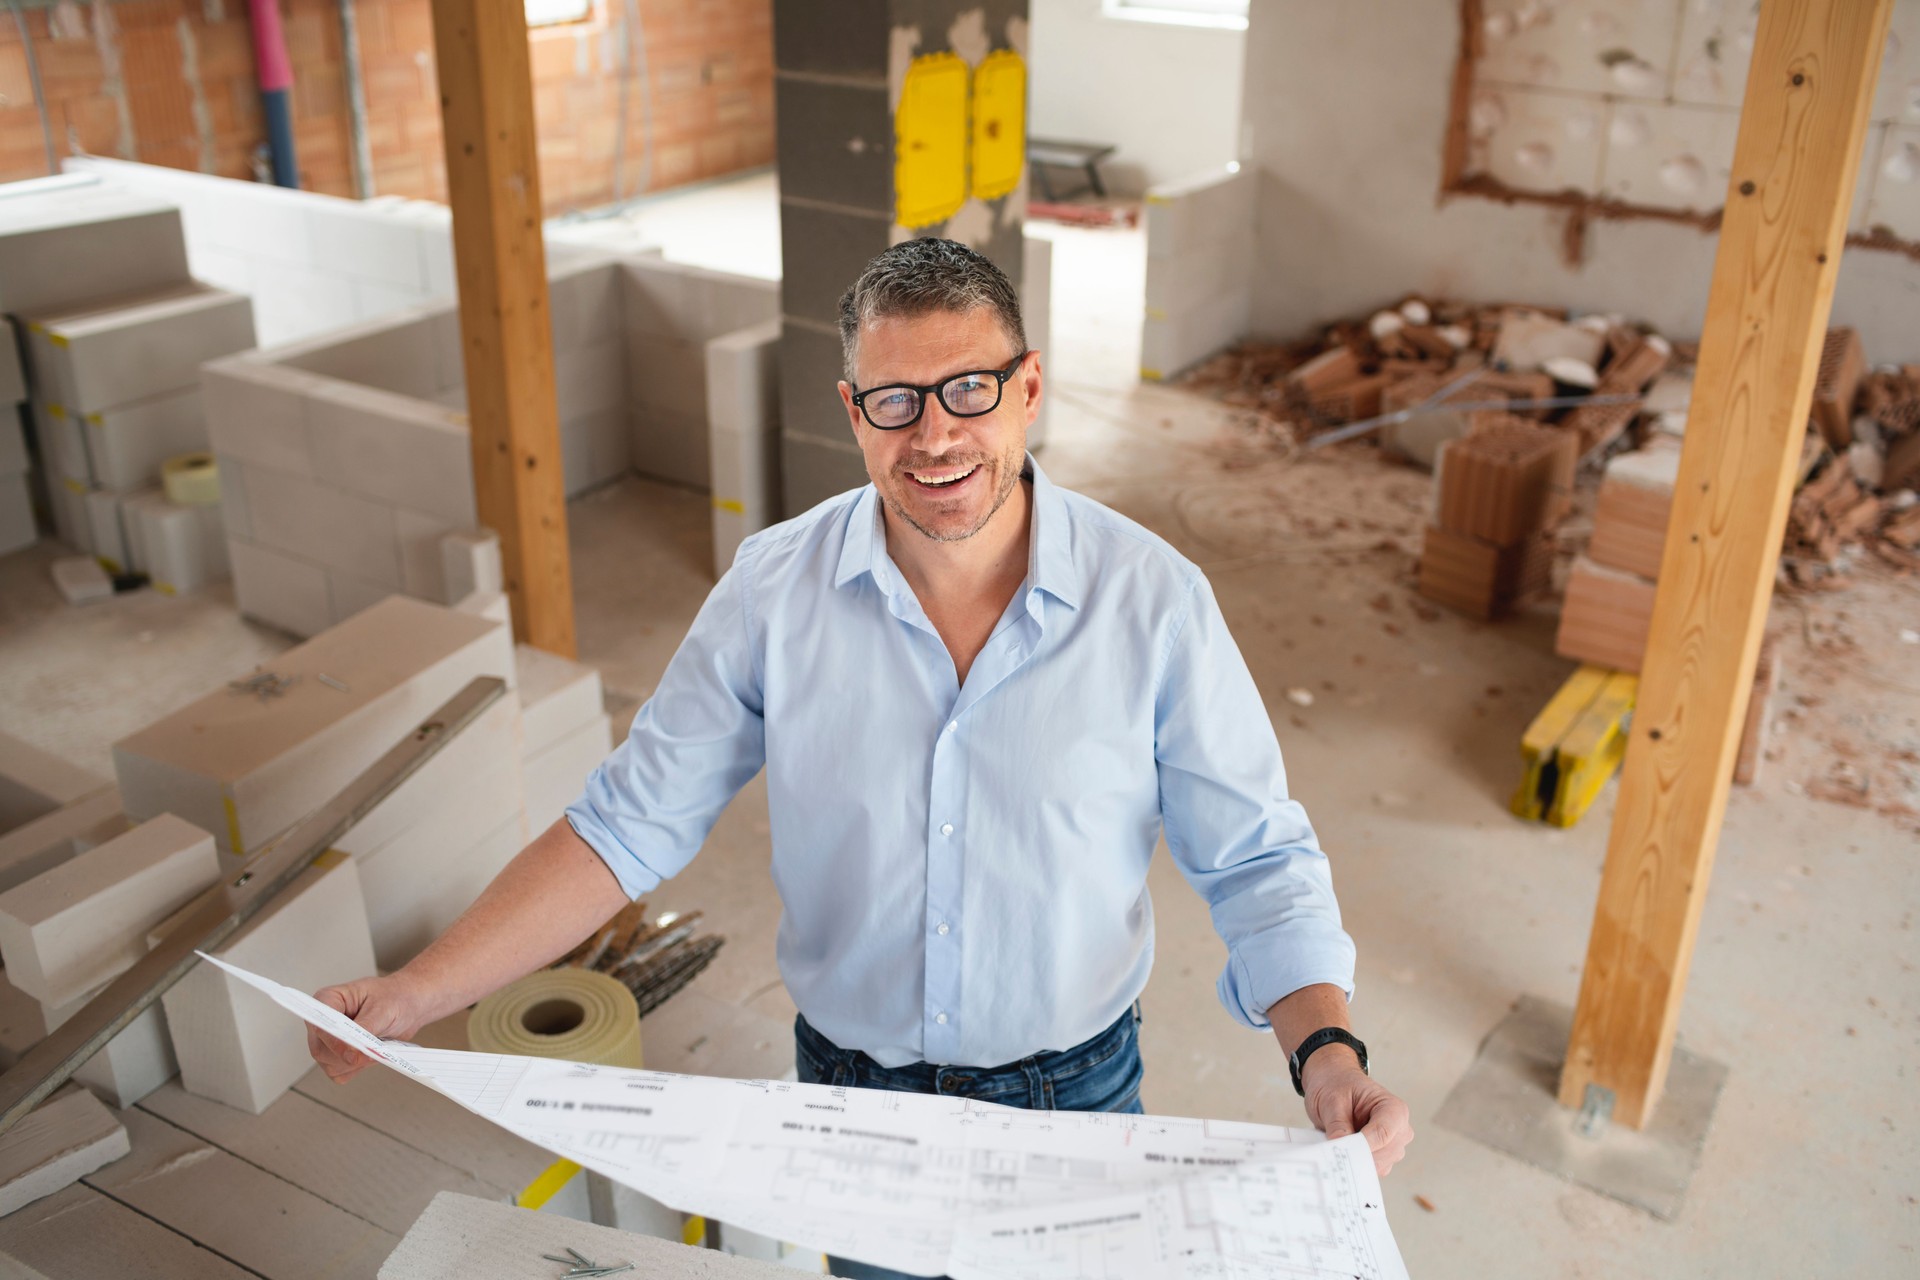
point(493, 181)
point(1802, 127)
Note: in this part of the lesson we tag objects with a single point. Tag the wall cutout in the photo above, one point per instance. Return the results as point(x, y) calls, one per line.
point(1629, 108)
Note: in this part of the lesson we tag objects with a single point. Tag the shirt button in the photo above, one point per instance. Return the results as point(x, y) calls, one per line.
point(943, 929)
point(952, 725)
point(940, 1018)
point(946, 828)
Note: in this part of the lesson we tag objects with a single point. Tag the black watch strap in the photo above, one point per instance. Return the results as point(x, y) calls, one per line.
point(1320, 1040)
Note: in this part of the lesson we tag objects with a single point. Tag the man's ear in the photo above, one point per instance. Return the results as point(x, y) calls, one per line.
point(853, 410)
point(1030, 384)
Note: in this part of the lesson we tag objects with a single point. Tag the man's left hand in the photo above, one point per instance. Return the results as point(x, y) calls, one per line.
point(1343, 1099)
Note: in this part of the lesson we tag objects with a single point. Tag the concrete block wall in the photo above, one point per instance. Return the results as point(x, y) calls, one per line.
point(345, 459)
point(1200, 237)
point(312, 263)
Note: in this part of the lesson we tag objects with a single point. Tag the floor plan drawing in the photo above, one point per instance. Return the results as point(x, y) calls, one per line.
point(935, 1185)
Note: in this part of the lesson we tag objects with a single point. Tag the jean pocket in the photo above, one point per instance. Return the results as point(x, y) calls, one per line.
point(1107, 1085)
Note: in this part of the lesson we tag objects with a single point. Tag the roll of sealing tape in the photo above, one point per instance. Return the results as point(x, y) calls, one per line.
point(560, 1013)
point(191, 480)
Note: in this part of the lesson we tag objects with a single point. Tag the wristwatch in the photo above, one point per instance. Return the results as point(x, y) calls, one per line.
point(1320, 1040)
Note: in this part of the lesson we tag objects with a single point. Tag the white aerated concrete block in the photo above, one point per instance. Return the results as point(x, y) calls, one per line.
point(17, 528)
point(412, 899)
point(13, 377)
point(248, 768)
point(35, 782)
point(470, 562)
point(323, 524)
point(53, 838)
point(399, 450)
point(429, 848)
point(127, 443)
point(280, 590)
point(557, 696)
point(234, 1044)
point(181, 548)
point(68, 498)
point(134, 1063)
point(557, 774)
point(85, 242)
point(1199, 297)
point(105, 354)
point(55, 1145)
point(13, 441)
point(595, 449)
point(257, 412)
point(63, 441)
point(743, 420)
point(79, 924)
point(104, 529)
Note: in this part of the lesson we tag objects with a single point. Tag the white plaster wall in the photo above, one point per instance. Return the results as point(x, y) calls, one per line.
point(1168, 95)
point(1346, 117)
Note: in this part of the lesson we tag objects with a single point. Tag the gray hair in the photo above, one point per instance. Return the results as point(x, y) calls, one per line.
point(919, 277)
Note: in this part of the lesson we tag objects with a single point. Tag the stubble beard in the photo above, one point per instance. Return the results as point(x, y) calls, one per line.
point(1006, 475)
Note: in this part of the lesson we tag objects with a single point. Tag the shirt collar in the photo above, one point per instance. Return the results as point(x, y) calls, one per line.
point(1050, 558)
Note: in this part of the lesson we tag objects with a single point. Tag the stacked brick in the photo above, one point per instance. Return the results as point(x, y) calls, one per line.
point(1609, 600)
point(1499, 491)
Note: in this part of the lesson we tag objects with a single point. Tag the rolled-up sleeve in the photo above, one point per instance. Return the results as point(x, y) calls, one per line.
point(649, 806)
point(1237, 836)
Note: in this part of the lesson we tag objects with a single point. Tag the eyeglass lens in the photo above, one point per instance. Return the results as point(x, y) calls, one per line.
point(967, 396)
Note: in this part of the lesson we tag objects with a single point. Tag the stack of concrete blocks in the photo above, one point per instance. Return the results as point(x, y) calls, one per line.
point(115, 389)
point(312, 263)
point(234, 1044)
point(743, 408)
point(70, 930)
point(249, 767)
point(346, 462)
point(65, 242)
point(565, 731)
point(838, 79)
point(1199, 289)
point(17, 526)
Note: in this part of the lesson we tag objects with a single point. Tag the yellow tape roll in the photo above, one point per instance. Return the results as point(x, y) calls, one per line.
point(560, 1013)
point(191, 480)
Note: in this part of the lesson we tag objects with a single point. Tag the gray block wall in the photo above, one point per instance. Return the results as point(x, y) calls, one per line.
point(838, 74)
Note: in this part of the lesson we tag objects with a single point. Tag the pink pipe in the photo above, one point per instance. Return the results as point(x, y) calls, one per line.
point(272, 67)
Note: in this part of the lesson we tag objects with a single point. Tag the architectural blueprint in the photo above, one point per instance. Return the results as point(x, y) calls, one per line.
point(934, 1185)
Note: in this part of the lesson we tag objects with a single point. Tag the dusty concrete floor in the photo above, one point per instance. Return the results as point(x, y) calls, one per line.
point(1804, 980)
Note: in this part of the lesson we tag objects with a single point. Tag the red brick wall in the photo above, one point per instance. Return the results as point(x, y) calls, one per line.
point(184, 93)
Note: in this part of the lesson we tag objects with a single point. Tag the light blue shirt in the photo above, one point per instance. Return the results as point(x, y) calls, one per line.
point(963, 867)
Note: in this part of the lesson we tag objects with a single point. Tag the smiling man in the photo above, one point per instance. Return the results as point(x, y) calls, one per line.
point(979, 700)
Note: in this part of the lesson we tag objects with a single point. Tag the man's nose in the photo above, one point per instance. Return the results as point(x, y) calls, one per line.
point(937, 428)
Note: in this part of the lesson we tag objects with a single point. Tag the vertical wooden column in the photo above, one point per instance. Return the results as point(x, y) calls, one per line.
point(1802, 126)
point(493, 181)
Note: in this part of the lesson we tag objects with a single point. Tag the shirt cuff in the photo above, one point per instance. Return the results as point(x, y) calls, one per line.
point(635, 876)
point(1270, 966)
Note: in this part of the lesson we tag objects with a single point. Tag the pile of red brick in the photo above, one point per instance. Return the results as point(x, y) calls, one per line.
point(1406, 356)
point(1867, 465)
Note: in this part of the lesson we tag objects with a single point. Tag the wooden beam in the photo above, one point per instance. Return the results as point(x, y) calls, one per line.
point(493, 182)
point(1802, 126)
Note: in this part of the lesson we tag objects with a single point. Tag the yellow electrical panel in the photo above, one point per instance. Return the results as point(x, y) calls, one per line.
point(999, 123)
point(930, 141)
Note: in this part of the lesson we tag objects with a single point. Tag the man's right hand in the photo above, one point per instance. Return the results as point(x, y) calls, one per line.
point(388, 1007)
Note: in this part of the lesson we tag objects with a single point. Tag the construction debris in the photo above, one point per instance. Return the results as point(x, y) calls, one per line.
point(652, 960)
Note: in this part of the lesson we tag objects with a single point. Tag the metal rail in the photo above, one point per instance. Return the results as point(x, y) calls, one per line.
point(49, 1064)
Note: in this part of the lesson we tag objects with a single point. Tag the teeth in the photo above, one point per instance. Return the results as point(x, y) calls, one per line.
point(949, 480)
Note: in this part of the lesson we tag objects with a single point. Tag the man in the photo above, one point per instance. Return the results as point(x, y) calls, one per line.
point(979, 699)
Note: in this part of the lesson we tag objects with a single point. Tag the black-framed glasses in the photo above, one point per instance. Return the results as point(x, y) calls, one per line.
point(966, 395)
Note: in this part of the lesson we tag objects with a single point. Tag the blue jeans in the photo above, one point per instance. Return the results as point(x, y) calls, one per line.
point(1101, 1074)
